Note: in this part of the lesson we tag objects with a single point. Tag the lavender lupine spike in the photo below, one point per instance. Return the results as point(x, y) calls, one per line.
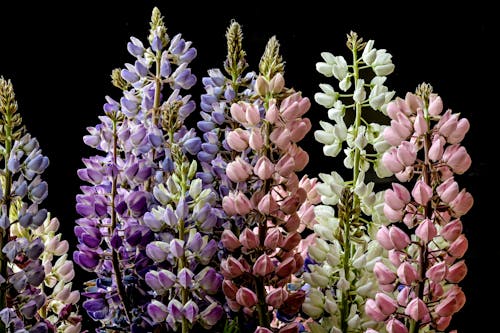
point(340, 263)
point(113, 232)
point(264, 205)
point(221, 91)
point(419, 289)
point(28, 301)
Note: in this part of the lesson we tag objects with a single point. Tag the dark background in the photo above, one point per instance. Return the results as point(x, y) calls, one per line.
point(59, 58)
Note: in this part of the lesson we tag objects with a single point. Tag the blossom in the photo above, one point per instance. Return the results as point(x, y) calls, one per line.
point(143, 212)
point(266, 205)
point(346, 203)
point(35, 274)
point(430, 257)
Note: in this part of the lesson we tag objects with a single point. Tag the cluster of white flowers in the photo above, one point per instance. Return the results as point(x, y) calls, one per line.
point(341, 278)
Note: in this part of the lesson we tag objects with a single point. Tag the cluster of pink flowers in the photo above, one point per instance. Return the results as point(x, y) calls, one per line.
point(419, 281)
point(274, 203)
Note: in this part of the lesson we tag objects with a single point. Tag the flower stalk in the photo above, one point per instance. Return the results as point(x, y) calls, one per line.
point(419, 280)
point(340, 262)
point(35, 292)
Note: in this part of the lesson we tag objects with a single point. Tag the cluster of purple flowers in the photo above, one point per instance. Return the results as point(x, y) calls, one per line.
point(35, 294)
point(146, 222)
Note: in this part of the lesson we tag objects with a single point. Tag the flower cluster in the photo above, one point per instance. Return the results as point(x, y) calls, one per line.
point(35, 293)
point(221, 92)
point(268, 203)
point(419, 280)
point(341, 259)
point(146, 222)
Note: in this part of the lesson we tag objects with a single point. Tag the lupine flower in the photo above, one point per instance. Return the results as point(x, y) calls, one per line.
point(146, 221)
point(36, 293)
point(342, 266)
point(265, 204)
point(222, 144)
point(425, 262)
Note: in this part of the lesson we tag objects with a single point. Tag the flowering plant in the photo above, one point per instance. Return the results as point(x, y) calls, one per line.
point(146, 223)
point(35, 291)
point(418, 283)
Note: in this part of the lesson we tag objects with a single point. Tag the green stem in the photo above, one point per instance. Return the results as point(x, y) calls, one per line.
point(115, 258)
point(346, 298)
point(4, 239)
point(156, 107)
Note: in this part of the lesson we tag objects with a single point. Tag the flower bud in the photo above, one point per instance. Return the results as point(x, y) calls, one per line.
point(263, 266)
point(246, 297)
point(416, 309)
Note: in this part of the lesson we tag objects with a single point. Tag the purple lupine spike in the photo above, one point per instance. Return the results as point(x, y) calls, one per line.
point(136, 219)
point(27, 267)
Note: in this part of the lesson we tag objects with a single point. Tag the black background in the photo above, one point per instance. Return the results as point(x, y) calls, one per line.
point(59, 58)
